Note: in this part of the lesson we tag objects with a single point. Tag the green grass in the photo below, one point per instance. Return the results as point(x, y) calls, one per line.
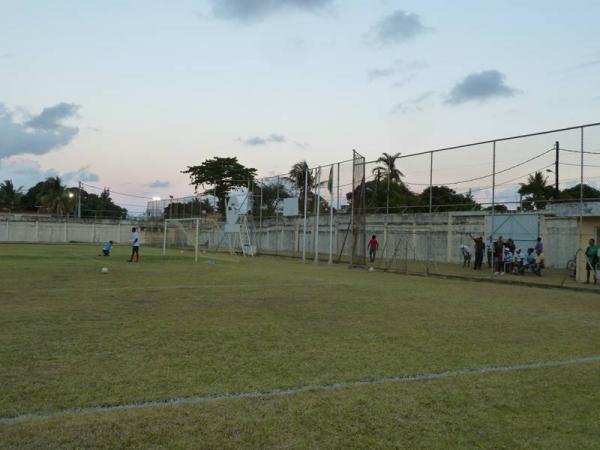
point(72, 337)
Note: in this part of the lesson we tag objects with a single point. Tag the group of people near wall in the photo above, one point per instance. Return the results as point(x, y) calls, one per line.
point(504, 256)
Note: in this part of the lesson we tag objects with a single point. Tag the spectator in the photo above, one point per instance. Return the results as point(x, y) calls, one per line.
point(591, 260)
point(539, 246)
point(520, 263)
point(538, 263)
point(499, 256)
point(466, 252)
point(479, 249)
point(508, 260)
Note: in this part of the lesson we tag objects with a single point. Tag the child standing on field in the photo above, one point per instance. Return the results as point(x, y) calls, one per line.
point(135, 245)
point(373, 246)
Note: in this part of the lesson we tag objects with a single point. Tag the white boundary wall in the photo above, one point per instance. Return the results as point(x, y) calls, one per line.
point(284, 236)
point(64, 231)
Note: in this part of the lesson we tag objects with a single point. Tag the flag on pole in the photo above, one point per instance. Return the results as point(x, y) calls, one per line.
point(330, 181)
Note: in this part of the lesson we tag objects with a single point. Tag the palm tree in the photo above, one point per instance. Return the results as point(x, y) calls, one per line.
point(297, 175)
point(388, 167)
point(55, 197)
point(537, 190)
point(9, 196)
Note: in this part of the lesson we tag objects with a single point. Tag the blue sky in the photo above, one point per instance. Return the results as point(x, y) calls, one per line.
point(127, 94)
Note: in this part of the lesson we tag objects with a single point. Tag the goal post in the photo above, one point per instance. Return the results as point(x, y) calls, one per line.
point(181, 234)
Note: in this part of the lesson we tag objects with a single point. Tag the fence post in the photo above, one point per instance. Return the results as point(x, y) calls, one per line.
point(430, 212)
point(37, 231)
point(316, 239)
point(305, 208)
point(580, 244)
point(165, 237)
point(492, 229)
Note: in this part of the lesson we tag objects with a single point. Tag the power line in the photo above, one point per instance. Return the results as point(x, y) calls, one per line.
point(116, 192)
point(489, 175)
point(579, 151)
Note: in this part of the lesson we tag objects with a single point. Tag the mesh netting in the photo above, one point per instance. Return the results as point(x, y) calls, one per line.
point(359, 224)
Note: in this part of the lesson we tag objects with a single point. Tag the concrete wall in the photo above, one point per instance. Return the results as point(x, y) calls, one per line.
point(410, 236)
point(63, 231)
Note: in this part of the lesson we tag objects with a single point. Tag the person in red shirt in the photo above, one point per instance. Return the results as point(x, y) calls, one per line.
point(373, 246)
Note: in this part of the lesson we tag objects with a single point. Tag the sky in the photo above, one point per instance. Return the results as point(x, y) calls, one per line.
point(128, 94)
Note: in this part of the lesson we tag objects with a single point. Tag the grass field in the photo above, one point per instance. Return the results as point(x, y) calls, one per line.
point(82, 352)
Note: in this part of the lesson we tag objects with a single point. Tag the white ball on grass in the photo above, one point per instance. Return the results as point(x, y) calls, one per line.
point(371, 269)
point(104, 270)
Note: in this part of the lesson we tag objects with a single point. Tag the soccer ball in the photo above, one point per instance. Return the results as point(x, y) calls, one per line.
point(104, 270)
point(371, 269)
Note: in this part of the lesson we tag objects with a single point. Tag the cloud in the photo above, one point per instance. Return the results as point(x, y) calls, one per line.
point(83, 174)
point(255, 10)
point(586, 65)
point(257, 140)
point(396, 28)
point(481, 86)
point(375, 74)
point(404, 81)
point(406, 69)
point(39, 134)
point(28, 172)
point(159, 184)
point(412, 105)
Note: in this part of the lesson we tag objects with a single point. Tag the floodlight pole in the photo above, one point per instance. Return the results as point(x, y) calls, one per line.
point(305, 208)
point(316, 260)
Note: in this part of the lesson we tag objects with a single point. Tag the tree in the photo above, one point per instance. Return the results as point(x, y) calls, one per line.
point(9, 196)
point(31, 200)
point(573, 193)
point(388, 167)
point(536, 191)
point(221, 174)
point(447, 199)
point(499, 207)
point(400, 196)
point(55, 198)
point(98, 206)
point(298, 176)
point(272, 193)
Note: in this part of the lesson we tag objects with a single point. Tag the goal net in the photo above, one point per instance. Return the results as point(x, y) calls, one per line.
point(358, 220)
point(183, 235)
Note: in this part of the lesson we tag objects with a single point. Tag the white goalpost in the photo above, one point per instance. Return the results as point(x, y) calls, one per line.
point(182, 234)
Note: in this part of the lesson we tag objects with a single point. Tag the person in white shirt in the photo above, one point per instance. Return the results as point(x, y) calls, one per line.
point(466, 252)
point(135, 245)
point(520, 261)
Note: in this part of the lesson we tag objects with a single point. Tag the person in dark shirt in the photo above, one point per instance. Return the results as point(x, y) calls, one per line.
point(479, 249)
point(373, 246)
point(591, 260)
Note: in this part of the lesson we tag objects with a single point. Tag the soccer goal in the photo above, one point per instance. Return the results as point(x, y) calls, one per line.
point(183, 235)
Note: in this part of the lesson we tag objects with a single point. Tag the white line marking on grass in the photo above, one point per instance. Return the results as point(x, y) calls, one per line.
point(194, 286)
point(293, 390)
point(221, 286)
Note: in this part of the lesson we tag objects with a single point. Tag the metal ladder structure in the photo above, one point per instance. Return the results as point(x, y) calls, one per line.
point(245, 237)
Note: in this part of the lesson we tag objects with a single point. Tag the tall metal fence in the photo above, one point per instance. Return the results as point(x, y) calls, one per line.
point(428, 209)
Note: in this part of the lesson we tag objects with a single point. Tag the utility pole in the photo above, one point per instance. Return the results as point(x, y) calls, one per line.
point(79, 201)
point(556, 166)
